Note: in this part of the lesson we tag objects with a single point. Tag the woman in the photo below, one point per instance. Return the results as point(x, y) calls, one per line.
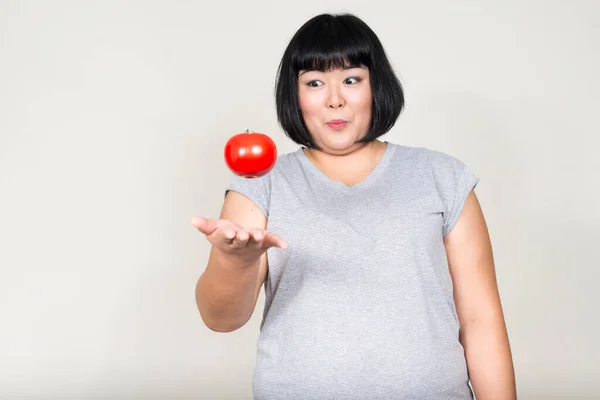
point(375, 257)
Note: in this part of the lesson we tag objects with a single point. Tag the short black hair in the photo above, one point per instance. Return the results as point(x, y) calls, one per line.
point(329, 41)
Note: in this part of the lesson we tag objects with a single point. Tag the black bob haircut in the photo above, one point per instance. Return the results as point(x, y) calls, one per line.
point(328, 42)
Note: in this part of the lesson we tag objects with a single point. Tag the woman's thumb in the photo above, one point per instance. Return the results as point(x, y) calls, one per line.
point(204, 225)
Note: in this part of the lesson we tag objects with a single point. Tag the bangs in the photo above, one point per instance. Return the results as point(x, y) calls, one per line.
point(331, 44)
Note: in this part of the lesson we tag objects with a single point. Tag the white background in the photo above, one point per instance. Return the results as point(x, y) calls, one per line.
point(113, 118)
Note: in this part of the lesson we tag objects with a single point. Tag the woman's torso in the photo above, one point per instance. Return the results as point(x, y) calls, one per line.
point(360, 305)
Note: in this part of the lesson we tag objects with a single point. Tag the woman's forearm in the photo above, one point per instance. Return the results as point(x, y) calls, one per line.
point(489, 359)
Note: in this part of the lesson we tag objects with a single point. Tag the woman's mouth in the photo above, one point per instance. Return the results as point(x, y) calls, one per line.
point(337, 124)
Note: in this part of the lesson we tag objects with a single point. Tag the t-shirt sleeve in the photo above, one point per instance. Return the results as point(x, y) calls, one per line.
point(461, 180)
point(256, 189)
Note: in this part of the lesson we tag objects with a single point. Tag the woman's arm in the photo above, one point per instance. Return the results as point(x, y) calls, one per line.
point(483, 331)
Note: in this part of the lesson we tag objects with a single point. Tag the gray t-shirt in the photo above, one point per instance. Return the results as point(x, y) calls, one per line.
point(360, 305)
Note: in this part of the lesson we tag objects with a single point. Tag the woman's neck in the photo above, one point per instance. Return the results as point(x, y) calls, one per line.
point(352, 167)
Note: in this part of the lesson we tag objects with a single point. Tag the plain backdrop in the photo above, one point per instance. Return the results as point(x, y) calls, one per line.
point(113, 118)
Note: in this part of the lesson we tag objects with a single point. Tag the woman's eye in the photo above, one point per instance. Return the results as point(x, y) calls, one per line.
point(352, 80)
point(314, 83)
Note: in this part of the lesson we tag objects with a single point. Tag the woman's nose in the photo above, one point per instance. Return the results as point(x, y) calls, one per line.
point(335, 100)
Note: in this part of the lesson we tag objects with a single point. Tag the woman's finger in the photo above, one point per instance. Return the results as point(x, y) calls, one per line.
point(257, 234)
point(273, 240)
point(205, 225)
point(241, 238)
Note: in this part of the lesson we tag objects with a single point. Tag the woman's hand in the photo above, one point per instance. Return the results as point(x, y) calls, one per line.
point(237, 241)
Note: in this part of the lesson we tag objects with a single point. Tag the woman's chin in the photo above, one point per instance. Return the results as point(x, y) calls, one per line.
point(340, 145)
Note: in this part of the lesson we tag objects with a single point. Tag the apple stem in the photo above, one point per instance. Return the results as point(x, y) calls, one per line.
point(247, 130)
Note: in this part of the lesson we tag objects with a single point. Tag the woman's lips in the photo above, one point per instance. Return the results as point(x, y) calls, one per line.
point(337, 124)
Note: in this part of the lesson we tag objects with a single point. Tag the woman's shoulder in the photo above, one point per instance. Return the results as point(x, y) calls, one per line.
point(288, 159)
point(422, 157)
point(441, 173)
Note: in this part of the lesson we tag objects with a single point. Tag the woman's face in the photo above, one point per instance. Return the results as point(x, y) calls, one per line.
point(336, 106)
